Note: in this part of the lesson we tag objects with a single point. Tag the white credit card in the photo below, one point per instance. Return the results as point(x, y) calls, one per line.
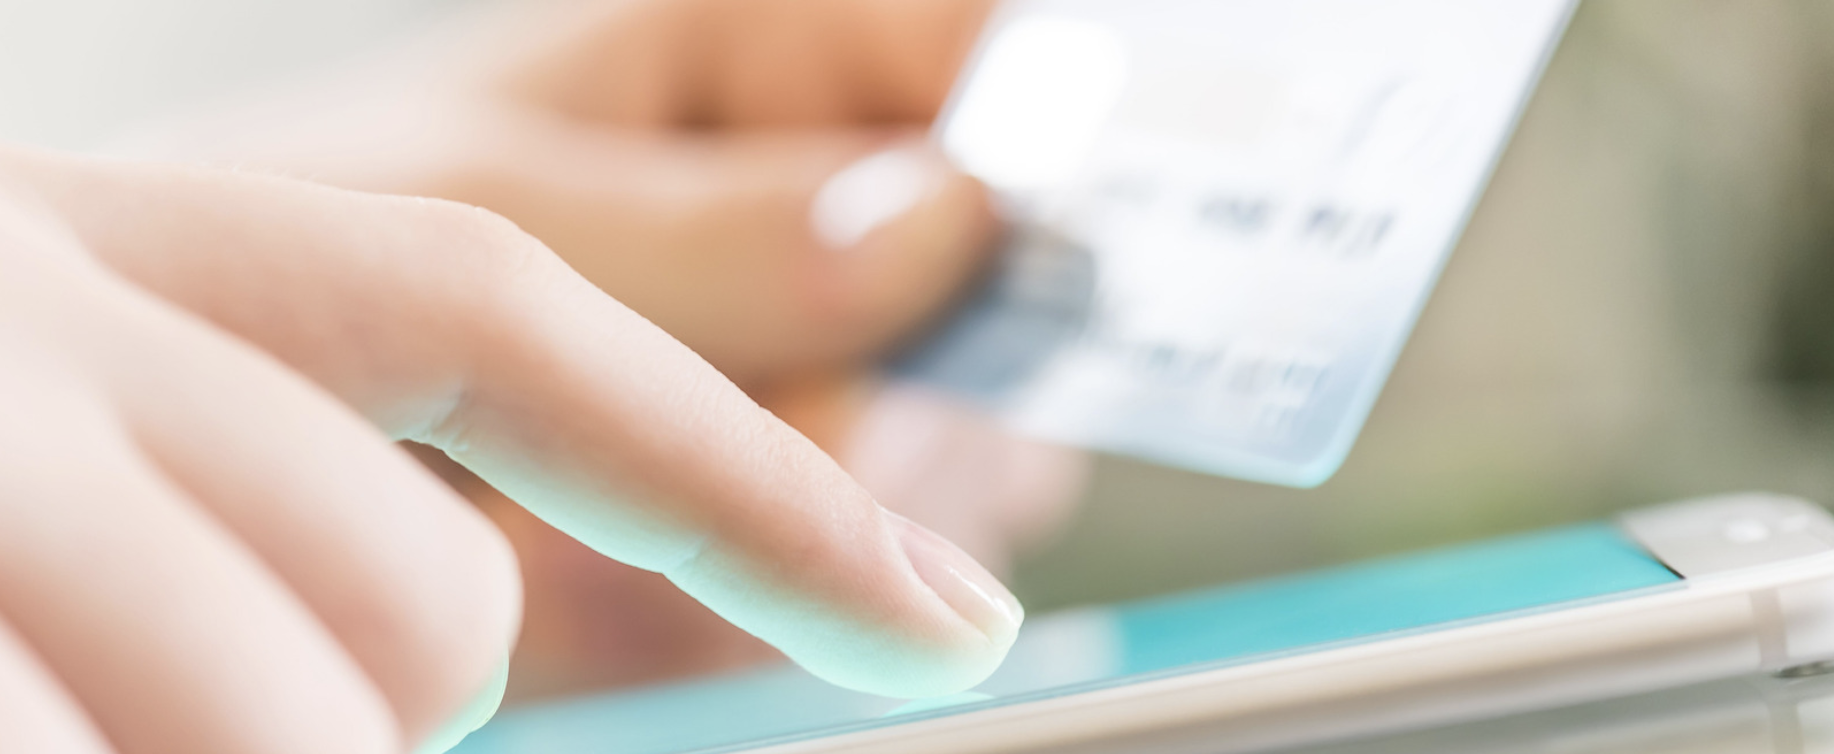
point(1227, 213)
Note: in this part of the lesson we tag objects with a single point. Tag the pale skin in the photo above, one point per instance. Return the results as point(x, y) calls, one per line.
point(209, 543)
point(671, 151)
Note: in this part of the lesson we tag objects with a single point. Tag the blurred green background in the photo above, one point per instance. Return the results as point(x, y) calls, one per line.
point(1642, 310)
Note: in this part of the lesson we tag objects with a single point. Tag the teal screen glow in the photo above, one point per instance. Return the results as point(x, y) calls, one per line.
point(1100, 648)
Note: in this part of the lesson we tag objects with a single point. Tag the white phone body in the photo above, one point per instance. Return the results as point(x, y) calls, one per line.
point(1750, 602)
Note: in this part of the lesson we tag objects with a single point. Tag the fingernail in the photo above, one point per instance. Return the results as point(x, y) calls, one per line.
point(961, 582)
point(872, 192)
point(475, 714)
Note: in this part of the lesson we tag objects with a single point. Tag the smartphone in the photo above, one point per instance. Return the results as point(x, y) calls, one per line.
point(1659, 598)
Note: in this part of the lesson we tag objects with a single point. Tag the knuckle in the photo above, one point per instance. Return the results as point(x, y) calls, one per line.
point(480, 244)
point(441, 241)
point(472, 262)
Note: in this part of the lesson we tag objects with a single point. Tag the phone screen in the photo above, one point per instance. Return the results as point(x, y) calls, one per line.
point(1116, 645)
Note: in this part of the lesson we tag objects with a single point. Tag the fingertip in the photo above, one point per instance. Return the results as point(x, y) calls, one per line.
point(907, 189)
point(918, 618)
point(901, 234)
point(976, 597)
point(473, 716)
point(872, 192)
point(961, 582)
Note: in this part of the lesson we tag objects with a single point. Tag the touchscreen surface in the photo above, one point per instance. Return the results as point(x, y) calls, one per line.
point(1101, 647)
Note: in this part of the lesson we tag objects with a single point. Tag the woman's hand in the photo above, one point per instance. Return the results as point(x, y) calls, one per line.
point(751, 175)
point(208, 541)
point(673, 151)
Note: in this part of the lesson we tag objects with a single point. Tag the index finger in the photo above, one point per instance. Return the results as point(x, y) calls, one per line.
point(446, 324)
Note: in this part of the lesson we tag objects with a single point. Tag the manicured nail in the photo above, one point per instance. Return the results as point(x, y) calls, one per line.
point(872, 192)
point(475, 714)
point(961, 582)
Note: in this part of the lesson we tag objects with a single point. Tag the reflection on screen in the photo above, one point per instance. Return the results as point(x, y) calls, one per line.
point(1097, 648)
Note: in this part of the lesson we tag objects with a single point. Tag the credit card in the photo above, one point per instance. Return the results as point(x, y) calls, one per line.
point(1226, 214)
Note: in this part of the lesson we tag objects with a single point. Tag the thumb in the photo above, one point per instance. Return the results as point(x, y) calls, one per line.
point(765, 252)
